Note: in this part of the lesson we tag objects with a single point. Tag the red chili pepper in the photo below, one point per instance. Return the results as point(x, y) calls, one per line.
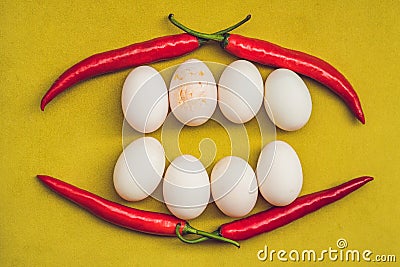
point(133, 55)
point(154, 50)
point(130, 218)
point(279, 216)
point(270, 54)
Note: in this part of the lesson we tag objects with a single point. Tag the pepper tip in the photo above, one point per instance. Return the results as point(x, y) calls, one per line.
point(41, 177)
point(45, 178)
point(362, 119)
point(360, 115)
point(43, 104)
point(369, 178)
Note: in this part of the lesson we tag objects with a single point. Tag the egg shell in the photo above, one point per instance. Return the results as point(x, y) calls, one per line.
point(287, 100)
point(279, 173)
point(240, 91)
point(193, 93)
point(234, 186)
point(139, 169)
point(145, 99)
point(186, 187)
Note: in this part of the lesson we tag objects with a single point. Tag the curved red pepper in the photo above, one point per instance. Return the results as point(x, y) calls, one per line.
point(270, 54)
point(157, 49)
point(134, 219)
point(279, 216)
point(130, 218)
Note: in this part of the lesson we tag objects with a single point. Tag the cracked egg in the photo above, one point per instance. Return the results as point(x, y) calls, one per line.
point(193, 93)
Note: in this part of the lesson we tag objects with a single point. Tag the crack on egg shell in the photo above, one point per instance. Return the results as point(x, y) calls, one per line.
point(184, 94)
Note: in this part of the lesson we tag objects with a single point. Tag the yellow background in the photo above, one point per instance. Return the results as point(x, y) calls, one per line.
point(78, 137)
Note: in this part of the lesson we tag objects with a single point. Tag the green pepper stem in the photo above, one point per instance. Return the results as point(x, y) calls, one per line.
point(205, 235)
point(248, 17)
point(189, 241)
point(196, 240)
point(217, 36)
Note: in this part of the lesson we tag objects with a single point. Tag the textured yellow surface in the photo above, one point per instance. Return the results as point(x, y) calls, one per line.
point(78, 137)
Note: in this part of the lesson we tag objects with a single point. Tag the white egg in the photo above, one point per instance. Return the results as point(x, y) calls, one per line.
point(234, 186)
point(139, 169)
point(186, 187)
point(287, 100)
point(193, 93)
point(145, 99)
point(240, 91)
point(279, 173)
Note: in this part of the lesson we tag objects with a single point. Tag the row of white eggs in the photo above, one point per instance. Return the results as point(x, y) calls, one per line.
point(193, 95)
point(233, 184)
